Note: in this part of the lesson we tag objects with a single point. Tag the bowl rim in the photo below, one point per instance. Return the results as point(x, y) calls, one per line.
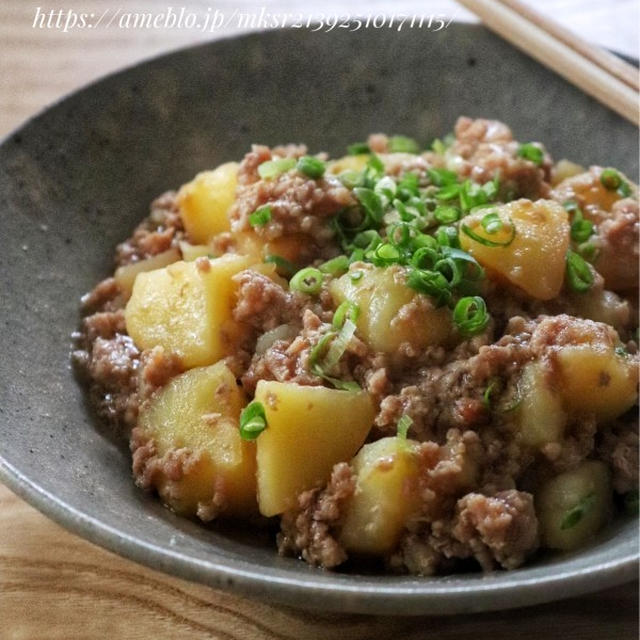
point(388, 595)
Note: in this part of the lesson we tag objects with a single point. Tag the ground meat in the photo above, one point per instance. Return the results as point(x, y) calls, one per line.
point(105, 296)
point(484, 148)
point(308, 530)
point(158, 232)
point(617, 245)
point(299, 205)
point(619, 448)
point(248, 170)
point(164, 473)
point(502, 528)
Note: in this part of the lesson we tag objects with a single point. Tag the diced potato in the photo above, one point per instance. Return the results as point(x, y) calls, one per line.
point(386, 495)
point(540, 415)
point(125, 276)
point(596, 379)
point(589, 192)
point(602, 306)
point(565, 169)
point(199, 410)
point(535, 260)
point(390, 312)
point(293, 248)
point(348, 163)
point(205, 201)
point(310, 429)
point(574, 505)
point(191, 252)
point(186, 308)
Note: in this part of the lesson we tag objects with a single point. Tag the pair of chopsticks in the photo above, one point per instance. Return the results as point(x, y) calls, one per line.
point(596, 71)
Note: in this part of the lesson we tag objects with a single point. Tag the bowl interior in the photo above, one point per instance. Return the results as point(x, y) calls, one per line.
point(76, 179)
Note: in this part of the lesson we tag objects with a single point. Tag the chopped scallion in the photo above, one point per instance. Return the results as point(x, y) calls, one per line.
point(578, 272)
point(470, 315)
point(253, 421)
point(308, 280)
point(273, 168)
point(311, 167)
point(530, 151)
point(260, 216)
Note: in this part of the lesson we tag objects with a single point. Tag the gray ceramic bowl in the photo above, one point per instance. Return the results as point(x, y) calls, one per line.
point(76, 179)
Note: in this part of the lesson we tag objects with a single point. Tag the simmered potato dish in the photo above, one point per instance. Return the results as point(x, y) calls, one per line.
point(412, 356)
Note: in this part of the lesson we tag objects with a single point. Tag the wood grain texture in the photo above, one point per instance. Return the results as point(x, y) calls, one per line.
point(56, 586)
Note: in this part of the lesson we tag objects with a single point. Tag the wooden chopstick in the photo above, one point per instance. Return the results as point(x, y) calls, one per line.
point(603, 58)
point(554, 53)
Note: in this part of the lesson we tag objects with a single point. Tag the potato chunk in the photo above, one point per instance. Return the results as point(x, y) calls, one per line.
point(535, 259)
point(310, 429)
point(205, 201)
point(574, 505)
point(540, 416)
point(596, 379)
point(199, 411)
point(186, 308)
point(386, 495)
point(125, 276)
point(390, 312)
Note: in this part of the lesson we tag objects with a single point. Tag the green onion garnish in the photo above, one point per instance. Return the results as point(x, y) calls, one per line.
point(336, 266)
point(404, 424)
point(402, 144)
point(470, 315)
point(358, 148)
point(335, 345)
point(285, 267)
point(307, 280)
point(442, 177)
point(491, 223)
point(573, 208)
point(588, 251)
point(433, 283)
point(347, 310)
point(253, 421)
point(529, 151)
point(611, 179)
point(371, 203)
point(624, 190)
point(487, 242)
point(446, 214)
point(447, 237)
point(578, 272)
point(492, 388)
point(356, 275)
point(581, 230)
point(311, 167)
point(260, 216)
point(573, 516)
point(273, 168)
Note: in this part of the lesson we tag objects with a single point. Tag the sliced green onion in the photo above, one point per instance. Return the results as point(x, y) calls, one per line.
point(450, 269)
point(492, 388)
point(446, 214)
point(404, 424)
point(350, 178)
point(339, 345)
point(530, 151)
point(385, 254)
point(387, 187)
point(253, 421)
point(574, 515)
point(358, 148)
point(470, 315)
point(409, 184)
point(403, 144)
point(438, 146)
point(487, 242)
point(624, 190)
point(425, 258)
point(375, 164)
point(442, 177)
point(588, 251)
point(356, 275)
point(336, 266)
point(448, 192)
point(581, 230)
point(307, 280)
point(347, 310)
point(310, 166)
point(432, 283)
point(472, 195)
point(578, 272)
point(371, 203)
point(287, 268)
point(611, 179)
point(448, 237)
point(260, 216)
point(273, 168)
point(491, 223)
point(573, 208)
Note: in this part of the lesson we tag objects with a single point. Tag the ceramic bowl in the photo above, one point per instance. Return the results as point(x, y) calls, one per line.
point(76, 179)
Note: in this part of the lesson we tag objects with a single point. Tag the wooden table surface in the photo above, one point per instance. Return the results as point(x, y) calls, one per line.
point(54, 585)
